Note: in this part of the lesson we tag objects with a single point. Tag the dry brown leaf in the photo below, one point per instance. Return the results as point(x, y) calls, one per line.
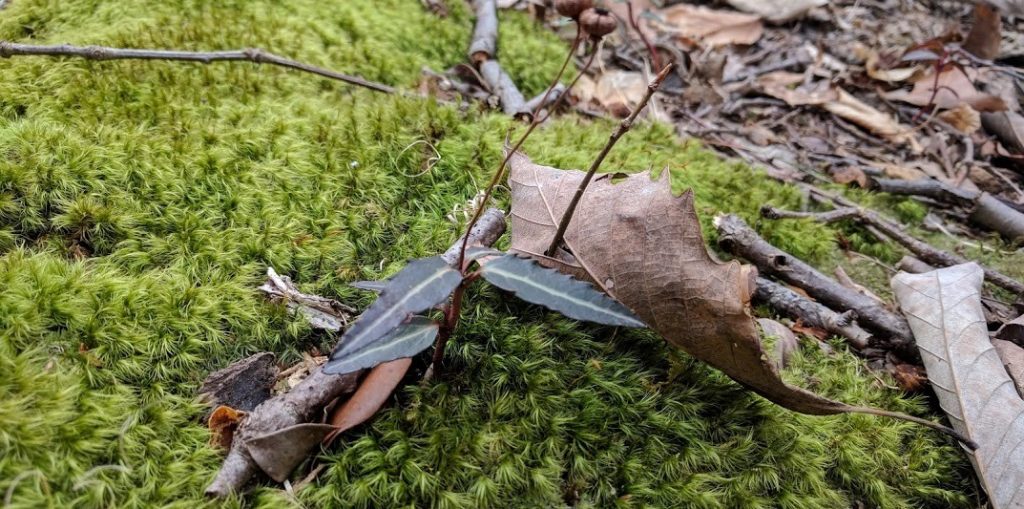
point(709, 26)
point(815, 332)
point(1012, 331)
point(985, 35)
point(903, 172)
point(222, 424)
point(955, 86)
point(1013, 359)
point(852, 109)
point(884, 70)
point(777, 11)
point(785, 341)
point(619, 91)
point(371, 395)
point(644, 246)
point(849, 174)
point(944, 310)
point(963, 118)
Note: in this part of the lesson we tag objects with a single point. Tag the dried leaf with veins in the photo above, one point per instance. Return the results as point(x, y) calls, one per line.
point(644, 246)
point(944, 310)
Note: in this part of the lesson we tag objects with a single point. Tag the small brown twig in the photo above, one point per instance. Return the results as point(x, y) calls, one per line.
point(255, 55)
point(655, 58)
point(624, 127)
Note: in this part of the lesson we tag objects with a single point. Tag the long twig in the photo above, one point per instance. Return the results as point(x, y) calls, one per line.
point(624, 127)
point(255, 55)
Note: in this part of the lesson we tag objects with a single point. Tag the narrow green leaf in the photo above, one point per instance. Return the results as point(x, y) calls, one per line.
point(421, 285)
point(407, 340)
point(556, 291)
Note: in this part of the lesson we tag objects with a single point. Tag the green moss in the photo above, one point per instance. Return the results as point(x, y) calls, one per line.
point(141, 202)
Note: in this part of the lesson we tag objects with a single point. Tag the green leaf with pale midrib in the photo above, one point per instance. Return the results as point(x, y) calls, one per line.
point(408, 339)
point(556, 291)
point(421, 285)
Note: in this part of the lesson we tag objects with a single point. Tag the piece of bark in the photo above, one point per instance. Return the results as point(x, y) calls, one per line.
point(320, 312)
point(305, 403)
point(535, 103)
point(501, 85)
point(243, 384)
point(871, 219)
point(891, 330)
point(484, 44)
point(984, 209)
point(812, 314)
point(1012, 356)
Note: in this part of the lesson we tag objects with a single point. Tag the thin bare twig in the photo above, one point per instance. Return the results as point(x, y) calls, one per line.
point(624, 127)
point(255, 55)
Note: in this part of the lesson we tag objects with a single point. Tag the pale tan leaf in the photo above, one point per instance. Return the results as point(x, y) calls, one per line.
point(619, 91)
point(781, 85)
point(874, 68)
point(963, 118)
point(644, 246)
point(711, 27)
point(944, 310)
point(852, 109)
point(777, 11)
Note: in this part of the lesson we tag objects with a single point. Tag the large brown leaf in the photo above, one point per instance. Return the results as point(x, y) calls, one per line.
point(944, 310)
point(644, 246)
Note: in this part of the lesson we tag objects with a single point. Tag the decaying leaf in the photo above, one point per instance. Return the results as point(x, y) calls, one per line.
point(873, 64)
point(618, 91)
point(556, 291)
point(421, 285)
point(789, 87)
point(370, 396)
point(955, 86)
point(785, 341)
point(644, 246)
point(711, 27)
point(986, 33)
point(1013, 359)
point(777, 11)
point(1012, 331)
point(850, 174)
point(278, 453)
point(944, 310)
point(406, 340)
point(963, 118)
point(222, 424)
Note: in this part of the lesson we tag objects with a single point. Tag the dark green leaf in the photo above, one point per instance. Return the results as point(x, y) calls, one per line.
point(370, 286)
point(407, 340)
point(556, 291)
point(421, 285)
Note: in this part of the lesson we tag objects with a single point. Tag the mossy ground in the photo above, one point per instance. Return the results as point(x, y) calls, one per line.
point(141, 202)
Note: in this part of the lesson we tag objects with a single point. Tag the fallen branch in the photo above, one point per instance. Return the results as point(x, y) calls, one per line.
point(321, 312)
point(501, 85)
point(483, 45)
point(892, 331)
point(921, 249)
point(983, 208)
point(811, 313)
point(295, 411)
point(255, 55)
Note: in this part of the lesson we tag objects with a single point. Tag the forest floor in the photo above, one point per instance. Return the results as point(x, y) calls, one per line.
point(142, 202)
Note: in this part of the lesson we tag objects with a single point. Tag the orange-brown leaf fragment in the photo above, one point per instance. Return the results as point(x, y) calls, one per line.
point(222, 423)
point(644, 246)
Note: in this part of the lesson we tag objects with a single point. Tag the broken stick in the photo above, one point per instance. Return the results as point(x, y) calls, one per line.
point(794, 305)
point(736, 237)
point(297, 411)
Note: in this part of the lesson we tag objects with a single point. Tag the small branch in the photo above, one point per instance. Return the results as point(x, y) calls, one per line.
point(624, 127)
point(255, 55)
point(501, 85)
point(737, 237)
point(794, 305)
point(926, 252)
point(655, 58)
point(484, 44)
point(983, 208)
point(321, 312)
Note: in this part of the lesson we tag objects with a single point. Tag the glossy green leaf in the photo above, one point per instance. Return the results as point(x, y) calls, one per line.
point(408, 339)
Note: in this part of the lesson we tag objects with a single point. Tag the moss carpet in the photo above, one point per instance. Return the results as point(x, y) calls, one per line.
point(141, 202)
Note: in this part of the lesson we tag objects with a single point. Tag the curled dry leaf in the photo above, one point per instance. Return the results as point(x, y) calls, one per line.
point(955, 86)
point(647, 251)
point(963, 118)
point(785, 341)
point(944, 310)
point(709, 26)
point(1008, 126)
point(370, 396)
point(222, 424)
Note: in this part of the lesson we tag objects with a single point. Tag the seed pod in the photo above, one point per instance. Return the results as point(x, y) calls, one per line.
point(597, 22)
point(572, 8)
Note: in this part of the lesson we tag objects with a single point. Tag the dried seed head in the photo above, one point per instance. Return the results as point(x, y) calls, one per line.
point(572, 8)
point(597, 22)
